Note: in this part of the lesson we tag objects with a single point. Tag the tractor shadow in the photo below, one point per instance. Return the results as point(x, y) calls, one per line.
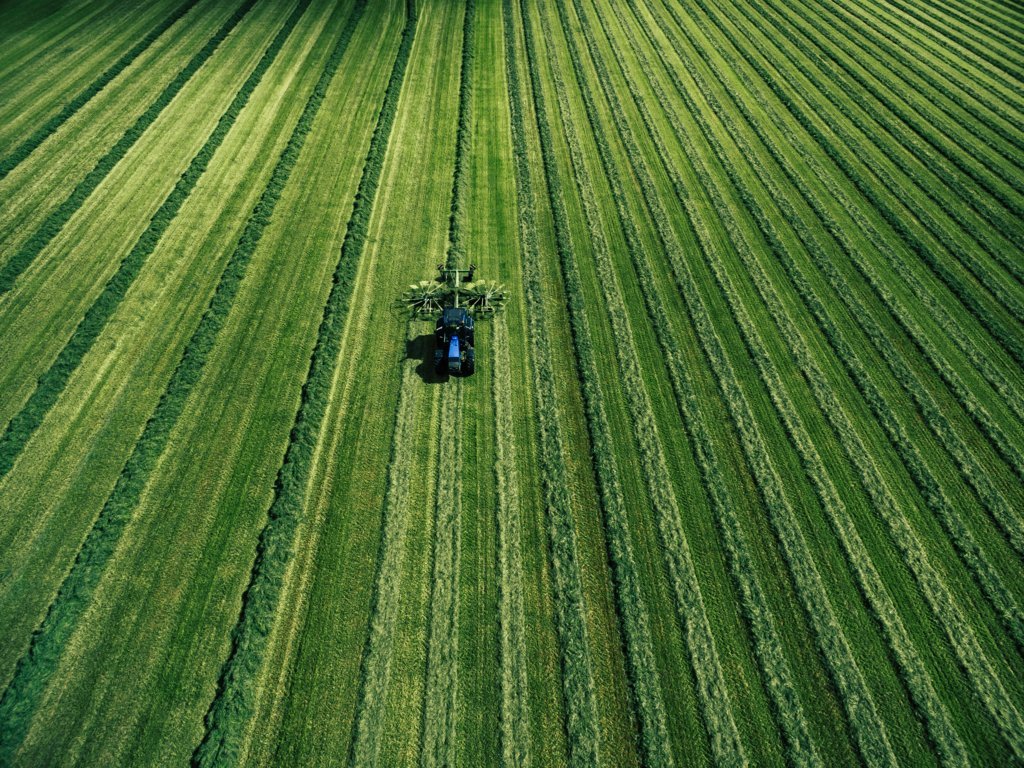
point(421, 349)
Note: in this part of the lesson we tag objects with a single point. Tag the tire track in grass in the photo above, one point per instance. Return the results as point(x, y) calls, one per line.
point(28, 251)
point(726, 744)
point(958, 449)
point(37, 666)
point(53, 381)
point(233, 705)
point(994, 429)
point(776, 673)
point(582, 725)
point(51, 126)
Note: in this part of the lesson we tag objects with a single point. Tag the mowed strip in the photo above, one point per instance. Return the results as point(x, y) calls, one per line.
point(101, 542)
point(39, 184)
point(49, 300)
point(24, 256)
point(130, 38)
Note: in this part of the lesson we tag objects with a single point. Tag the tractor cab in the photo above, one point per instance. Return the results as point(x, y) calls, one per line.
point(454, 337)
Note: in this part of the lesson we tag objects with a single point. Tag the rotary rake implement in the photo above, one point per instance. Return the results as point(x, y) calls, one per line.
point(458, 300)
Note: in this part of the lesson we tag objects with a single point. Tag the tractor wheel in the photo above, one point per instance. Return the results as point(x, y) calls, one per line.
point(470, 365)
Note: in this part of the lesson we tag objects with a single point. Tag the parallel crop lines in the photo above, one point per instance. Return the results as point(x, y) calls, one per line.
point(440, 715)
point(959, 632)
point(577, 673)
point(777, 673)
point(879, 336)
point(865, 720)
point(232, 708)
point(928, 342)
point(29, 250)
point(689, 601)
point(37, 665)
point(878, 398)
point(52, 383)
point(632, 610)
point(37, 137)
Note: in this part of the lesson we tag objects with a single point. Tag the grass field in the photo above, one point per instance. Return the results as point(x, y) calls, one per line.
point(739, 479)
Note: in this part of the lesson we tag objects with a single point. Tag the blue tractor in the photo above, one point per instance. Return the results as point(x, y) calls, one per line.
point(453, 335)
point(458, 298)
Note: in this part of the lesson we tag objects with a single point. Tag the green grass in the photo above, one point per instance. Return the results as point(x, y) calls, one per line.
point(737, 481)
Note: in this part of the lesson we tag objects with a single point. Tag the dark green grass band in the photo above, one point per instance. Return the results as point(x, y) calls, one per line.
point(52, 383)
point(35, 669)
point(51, 126)
point(235, 702)
point(53, 223)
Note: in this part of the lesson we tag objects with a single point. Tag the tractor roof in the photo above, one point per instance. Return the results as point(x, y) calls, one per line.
point(454, 315)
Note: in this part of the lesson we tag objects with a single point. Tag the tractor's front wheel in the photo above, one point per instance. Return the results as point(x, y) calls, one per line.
point(470, 365)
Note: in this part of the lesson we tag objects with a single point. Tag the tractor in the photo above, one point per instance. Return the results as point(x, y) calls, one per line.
point(459, 300)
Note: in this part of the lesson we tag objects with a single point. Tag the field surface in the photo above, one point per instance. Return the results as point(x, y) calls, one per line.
point(738, 480)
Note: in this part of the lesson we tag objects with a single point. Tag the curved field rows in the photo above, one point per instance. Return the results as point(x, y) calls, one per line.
point(738, 479)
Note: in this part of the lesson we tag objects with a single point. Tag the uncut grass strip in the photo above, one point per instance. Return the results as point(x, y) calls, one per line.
point(21, 698)
point(516, 747)
point(725, 740)
point(1000, 249)
point(29, 250)
point(582, 725)
point(914, 673)
point(1001, 27)
point(951, 109)
point(775, 668)
point(994, 14)
point(53, 382)
point(232, 707)
point(927, 342)
point(970, 467)
point(642, 670)
point(888, 207)
point(37, 137)
point(442, 684)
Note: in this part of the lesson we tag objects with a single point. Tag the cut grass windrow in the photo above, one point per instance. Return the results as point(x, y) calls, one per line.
point(232, 708)
point(875, 184)
point(876, 396)
point(778, 676)
point(440, 716)
point(725, 740)
point(376, 663)
point(582, 726)
point(950, 617)
point(515, 719)
point(31, 248)
point(36, 667)
point(929, 343)
point(47, 129)
point(52, 383)
point(642, 668)
point(825, 258)
point(869, 730)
